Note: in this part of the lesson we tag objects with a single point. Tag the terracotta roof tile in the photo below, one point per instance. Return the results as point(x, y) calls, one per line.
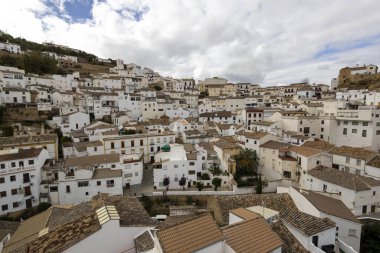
point(253, 235)
point(329, 205)
point(344, 179)
point(359, 153)
point(306, 223)
point(291, 244)
point(191, 235)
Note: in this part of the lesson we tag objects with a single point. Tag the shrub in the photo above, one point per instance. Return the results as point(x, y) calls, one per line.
point(205, 176)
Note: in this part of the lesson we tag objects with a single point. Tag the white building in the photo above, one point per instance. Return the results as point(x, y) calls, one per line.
point(10, 47)
point(71, 122)
point(12, 77)
point(13, 95)
point(84, 177)
point(319, 205)
point(20, 177)
point(176, 161)
point(358, 193)
point(105, 224)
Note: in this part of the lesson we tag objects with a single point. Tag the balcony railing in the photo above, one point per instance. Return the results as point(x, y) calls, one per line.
point(16, 169)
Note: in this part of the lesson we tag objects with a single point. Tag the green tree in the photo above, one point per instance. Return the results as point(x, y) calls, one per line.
point(147, 203)
point(205, 176)
point(216, 182)
point(259, 186)
point(166, 183)
point(370, 238)
point(182, 182)
point(247, 162)
point(36, 62)
point(199, 186)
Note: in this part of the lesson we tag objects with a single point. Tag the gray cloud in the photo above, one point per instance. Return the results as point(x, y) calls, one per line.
point(267, 41)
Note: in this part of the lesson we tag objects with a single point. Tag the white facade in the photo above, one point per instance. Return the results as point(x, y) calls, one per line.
point(20, 177)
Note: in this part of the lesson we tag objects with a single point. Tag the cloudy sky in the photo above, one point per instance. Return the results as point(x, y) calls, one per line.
point(267, 41)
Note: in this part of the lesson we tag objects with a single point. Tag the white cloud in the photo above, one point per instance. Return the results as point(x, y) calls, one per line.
point(259, 41)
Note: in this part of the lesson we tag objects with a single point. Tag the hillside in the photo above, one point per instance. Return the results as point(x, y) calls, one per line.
point(36, 62)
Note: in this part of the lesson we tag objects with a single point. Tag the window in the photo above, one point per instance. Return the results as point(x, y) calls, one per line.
point(2, 166)
point(13, 164)
point(136, 174)
point(113, 166)
point(4, 207)
point(192, 163)
point(324, 187)
point(123, 144)
point(377, 132)
point(30, 162)
point(98, 183)
point(132, 143)
point(191, 172)
point(95, 149)
point(347, 160)
point(365, 123)
point(128, 175)
point(373, 193)
point(2, 180)
point(14, 192)
point(53, 188)
point(345, 122)
point(355, 123)
point(358, 162)
point(322, 122)
point(322, 129)
point(287, 174)
point(176, 166)
point(112, 145)
point(3, 194)
point(300, 122)
point(354, 131)
point(21, 164)
point(141, 142)
point(344, 131)
point(68, 190)
point(110, 183)
point(15, 204)
point(13, 178)
point(364, 133)
point(352, 232)
point(82, 183)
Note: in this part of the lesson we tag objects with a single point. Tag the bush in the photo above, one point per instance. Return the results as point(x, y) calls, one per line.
point(199, 186)
point(205, 176)
point(147, 203)
point(189, 200)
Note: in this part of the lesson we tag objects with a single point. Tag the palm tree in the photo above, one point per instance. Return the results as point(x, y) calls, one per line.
point(247, 162)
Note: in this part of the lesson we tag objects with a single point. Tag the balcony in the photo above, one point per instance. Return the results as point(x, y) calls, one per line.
point(360, 115)
point(16, 169)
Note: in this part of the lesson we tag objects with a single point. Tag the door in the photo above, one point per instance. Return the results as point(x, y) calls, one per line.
point(26, 177)
point(28, 203)
point(315, 240)
point(27, 191)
